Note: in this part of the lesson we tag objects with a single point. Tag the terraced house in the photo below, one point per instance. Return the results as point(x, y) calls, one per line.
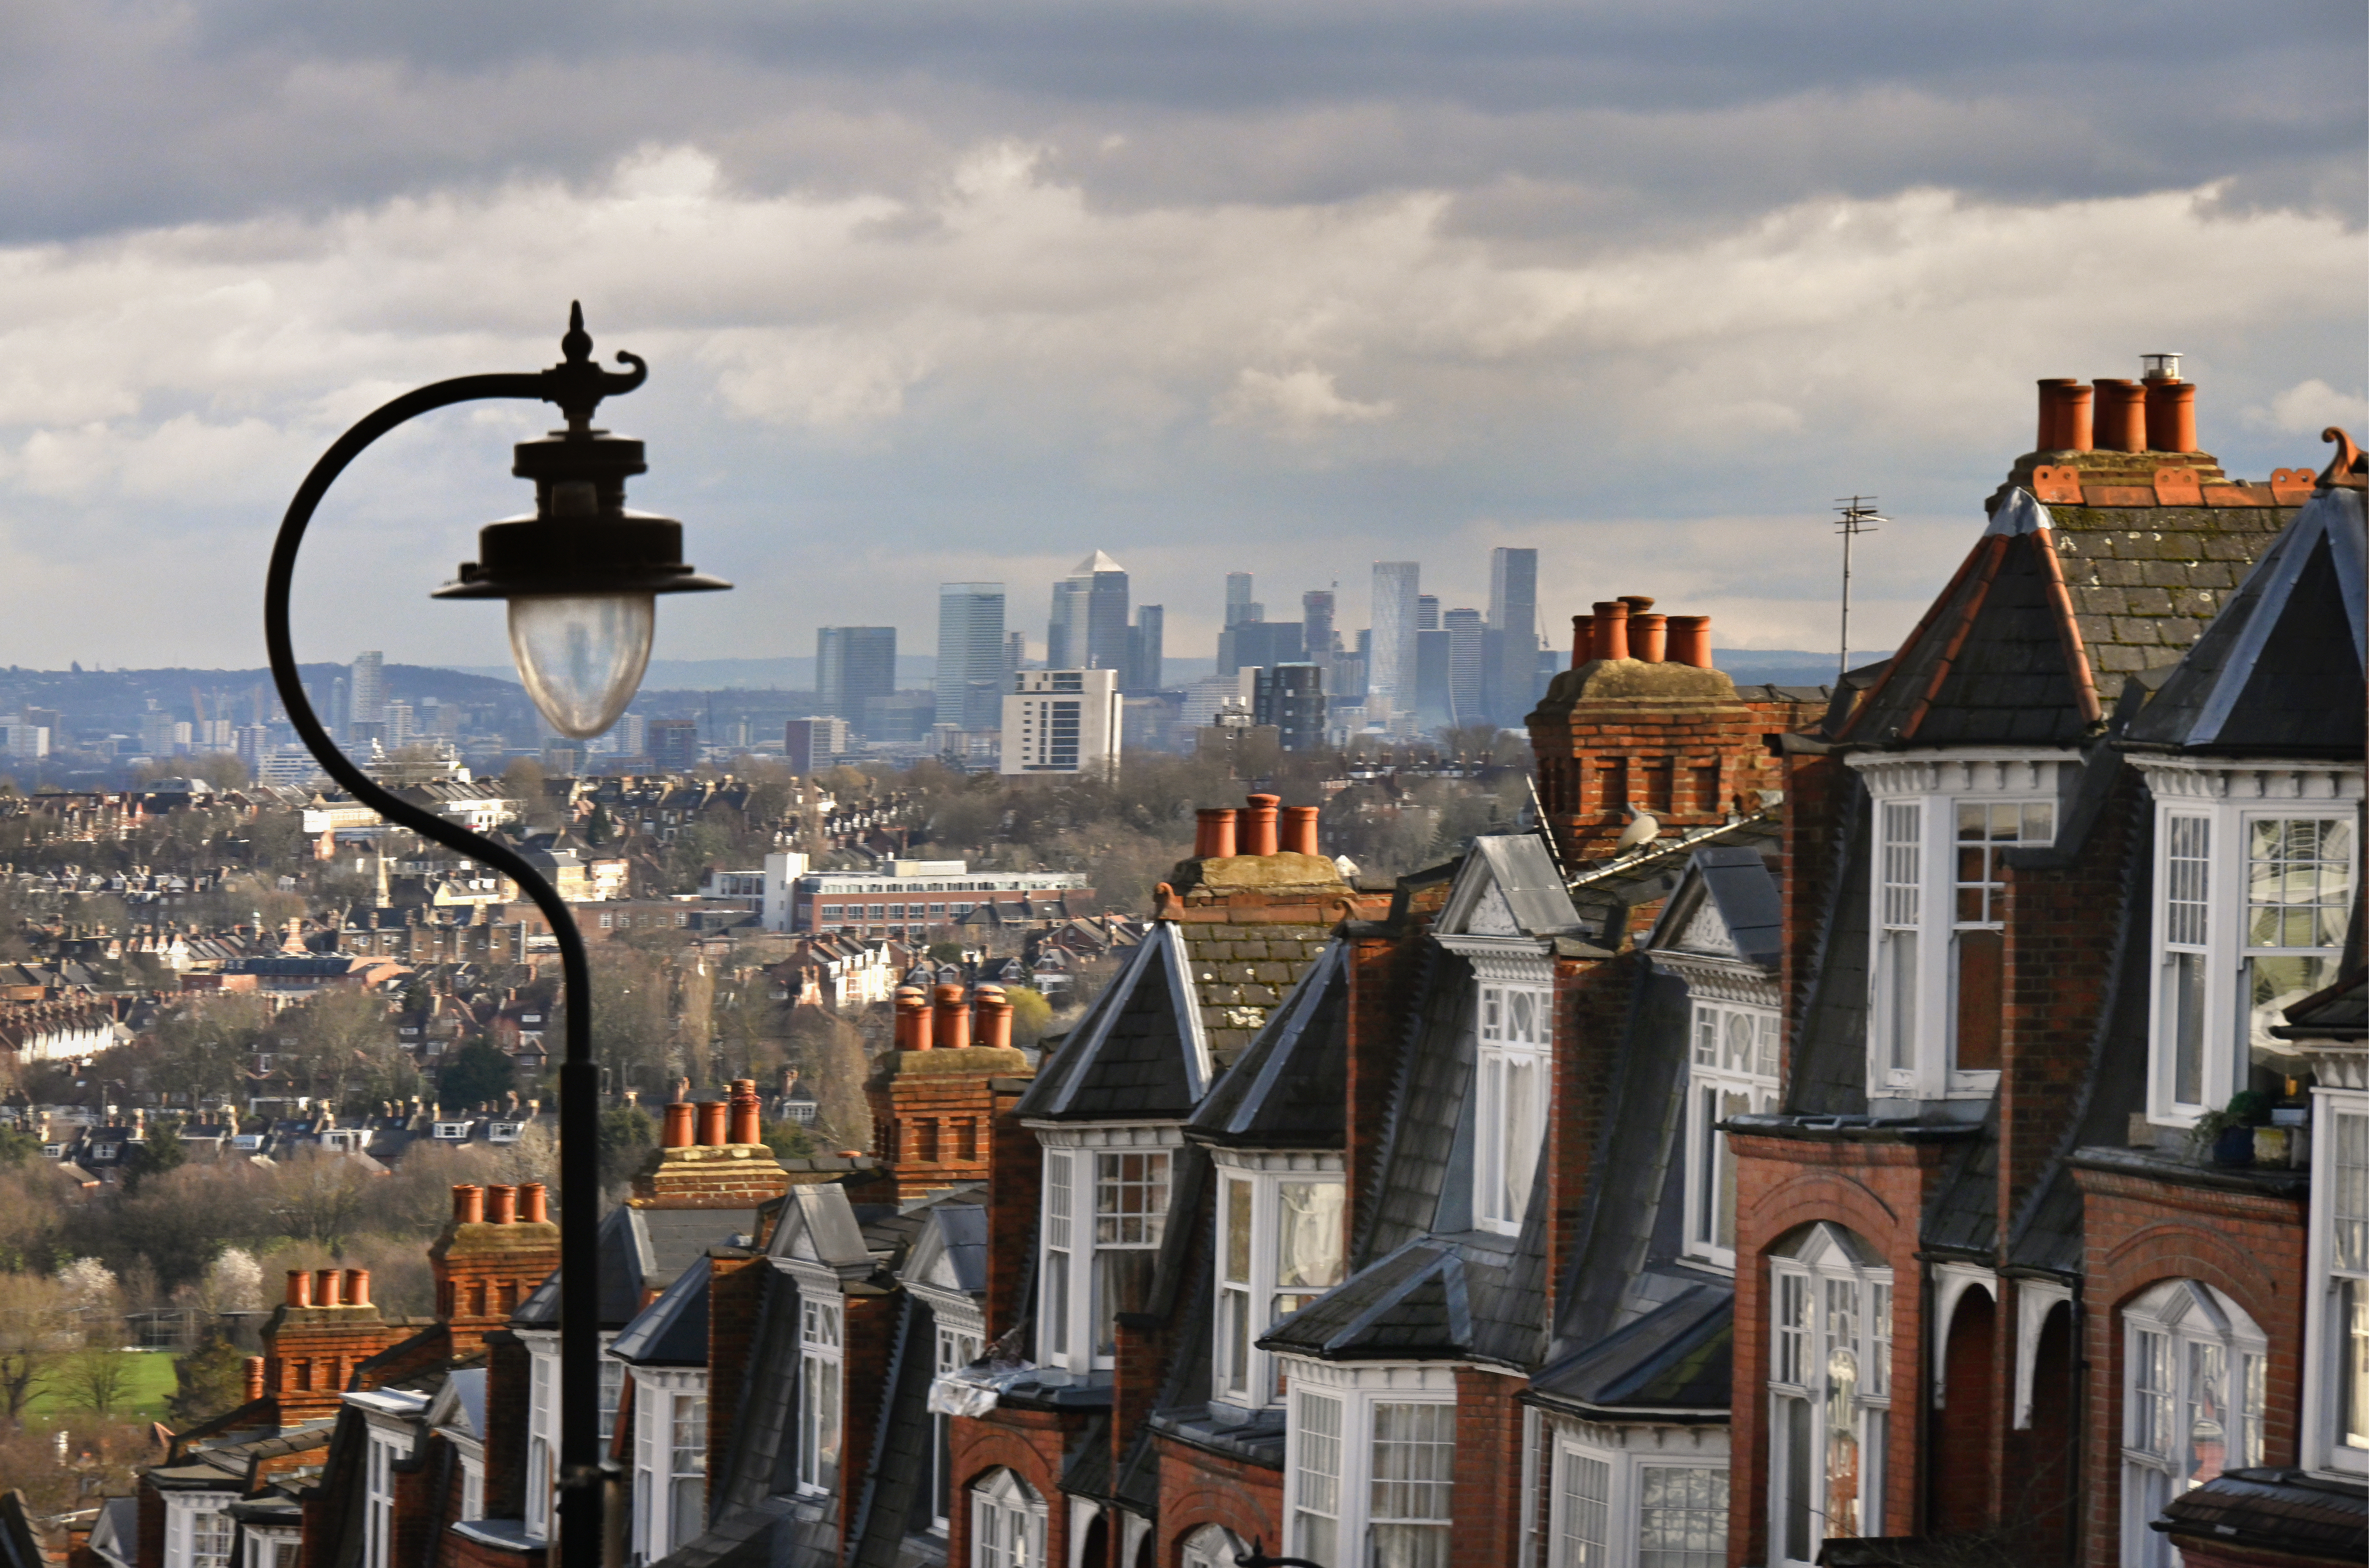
point(1922, 1120)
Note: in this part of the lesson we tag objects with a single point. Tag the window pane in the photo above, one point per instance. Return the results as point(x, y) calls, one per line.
point(1414, 1449)
point(1238, 1232)
point(1681, 1517)
point(1316, 1486)
point(1981, 966)
point(2149, 1420)
point(1801, 1467)
point(1234, 1339)
point(1521, 1155)
point(2352, 1370)
point(2273, 984)
point(2183, 980)
point(1900, 995)
point(2349, 1203)
point(1308, 1235)
point(1586, 1496)
point(2187, 851)
point(1723, 1189)
point(2298, 881)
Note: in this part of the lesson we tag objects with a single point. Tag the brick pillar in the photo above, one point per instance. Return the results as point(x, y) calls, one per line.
point(1015, 1180)
point(1488, 1498)
point(870, 1338)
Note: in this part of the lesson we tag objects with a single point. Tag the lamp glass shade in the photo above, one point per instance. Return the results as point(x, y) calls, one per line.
point(581, 655)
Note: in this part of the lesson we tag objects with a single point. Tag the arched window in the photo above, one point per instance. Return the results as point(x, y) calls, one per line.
point(1212, 1546)
point(1007, 1523)
point(2193, 1367)
point(1830, 1392)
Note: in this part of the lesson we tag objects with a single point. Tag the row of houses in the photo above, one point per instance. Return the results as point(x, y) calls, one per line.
point(1941, 1137)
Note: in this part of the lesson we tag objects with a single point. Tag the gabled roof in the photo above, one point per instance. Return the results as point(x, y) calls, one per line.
point(641, 1249)
point(818, 1225)
point(2279, 670)
point(1729, 907)
point(950, 1252)
point(1510, 885)
point(1139, 1053)
point(1998, 658)
point(1411, 1303)
point(673, 1329)
point(1290, 1089)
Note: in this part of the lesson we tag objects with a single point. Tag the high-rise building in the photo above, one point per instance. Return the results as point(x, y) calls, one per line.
point(1389, 663)
point(1426, 612)
point(1464, 629)
point(1291, 698)
point(1316, 626)
point(1062, 721)
point(971, 679)
point(340, 715)
point(1433, 708)
point(674, 744)
point(1016, 657)
point(851, 664)
point(1239, 605)
point(1510, 659)
point(366, 698)
point(1263, 643)
point(1088, 629)
point(1144, 649)
point(633, 733)
point(809, 745)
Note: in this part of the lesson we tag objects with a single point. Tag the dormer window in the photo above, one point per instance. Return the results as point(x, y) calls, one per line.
point(1734, 1072)
point(819, 1354)
point(1280, 1246)
point(1105, 1210)
point(1516, 1034)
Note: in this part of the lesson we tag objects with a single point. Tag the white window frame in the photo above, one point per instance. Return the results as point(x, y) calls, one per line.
point(2339, 1265)
point(378, 1500)
point(2186, 1323)
point(655, 1392)
point(1825, 1298)
point(542, 1419)
point(822, 1401)
point(1732, 1055)
point(1250, 1300)
point(1513, 1072)
point(184, 1510)
point(1610, 1531)
point(1352, 1391)
point(686, 1467)
point(1914, 917)
point(2230, 796)
point(1075, 1236)
point(1007, 1522)
point(958, 1343)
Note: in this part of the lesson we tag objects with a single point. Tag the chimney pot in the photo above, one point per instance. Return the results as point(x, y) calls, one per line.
point(711, 1119)
point(2052, 422)
point(329, 1288)
point(468, 1204)
point(1299, 829)
point(747, 1124)
point(2120, 416)
point(2075, 418)
point(2171, 416)
point(1649, 638)
point(952, 1023)
point(358, 1288)
point(1583, 640)
point(299, 1287)
point(1690, 640)
point(678, 1126)
point(1259, 821)
point(1611, 629)
point(534, 1203)
point(501, 1206)
point(994, 1017)
point(1638, 604)
point(912, 1019)
point(254, 1378)
point(1213, 832)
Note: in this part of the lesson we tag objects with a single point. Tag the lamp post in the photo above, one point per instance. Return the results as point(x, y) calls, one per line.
point(581, 575)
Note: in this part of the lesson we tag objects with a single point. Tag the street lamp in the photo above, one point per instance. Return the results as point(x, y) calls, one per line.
point(581, 576)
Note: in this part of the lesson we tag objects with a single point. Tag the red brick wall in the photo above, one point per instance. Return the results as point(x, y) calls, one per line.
point(1591, 1014)
point(152, 1526)
point(1198, 1488)
point(1817, 796)
point(1487, 1503)
point(1380, 980)
point(1878, 1191)
point(1012, 1196)
point(735, 1288)
point(1030, 1444)
point(509, 1371)
point(2138, 1232)
point(2040, 1477)
point(926, 1114)
point(483, 1271)
point(870, 1339)
point(1966, 1430)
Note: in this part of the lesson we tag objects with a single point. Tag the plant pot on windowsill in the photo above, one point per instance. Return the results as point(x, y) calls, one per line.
point(2226, 1137)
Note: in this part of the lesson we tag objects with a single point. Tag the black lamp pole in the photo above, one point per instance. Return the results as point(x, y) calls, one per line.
point(581, 542)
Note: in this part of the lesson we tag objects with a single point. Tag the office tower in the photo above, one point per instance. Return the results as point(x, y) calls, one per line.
point(1240, 606)
point(340, 716)
point(1144, 649)
point(366, 699)
point(851, 664)
point(1016, 657)
point(970, 681)
point(1316, 626)
point(1510, 660)
point(674, 744)
point(1426, 612)
point(1062, 722)
point(401, 724)
point(1390, 662)
point(1260, 644)
point(1088, 628)
point(1291, 698)
point(1433, 707)
point(633, 733)
point(810, 745)
point(1464, 629)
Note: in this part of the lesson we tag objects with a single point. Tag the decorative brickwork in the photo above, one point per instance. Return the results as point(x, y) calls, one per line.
point(1197, 1488)
point(484, 1266)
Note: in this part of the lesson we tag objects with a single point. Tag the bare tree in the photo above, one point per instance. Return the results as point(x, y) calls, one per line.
point(97, 1378)
point(34, 1333)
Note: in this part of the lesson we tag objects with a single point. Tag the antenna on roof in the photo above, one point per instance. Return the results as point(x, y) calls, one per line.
point(1859, 516)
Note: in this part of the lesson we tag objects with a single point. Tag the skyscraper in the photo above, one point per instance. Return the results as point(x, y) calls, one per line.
point(1144, 649)
point(971, 679)
point(366, 698)
point(851, 664)
point(1088, 629)
point(1426, 612)
point(1510, 659)
point(1464, 629)
point(1390, 665)
point(1239, 605)
point(1316, 626)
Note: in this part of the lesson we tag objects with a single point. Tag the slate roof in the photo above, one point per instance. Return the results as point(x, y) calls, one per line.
point(673, 1329)
point(2279, 670)
point(1675, 1359)
point(1138, 1054)
point(1290, 1090)
point(1241, 972)
point(641, 1250)
point(1826, 1072)
point(2276, 1510)
point(2144, 581)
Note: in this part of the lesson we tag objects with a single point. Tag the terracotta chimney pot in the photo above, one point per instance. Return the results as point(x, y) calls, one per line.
point(1300, 829)
point(329, 1288)
point(2171, 416)
point(1690, 640)
point(1638, 604)
point(1611, 629)
point(678, 1126)
point(1259, 837)
point(534, 1203)
point(1583, 640)
point(1649, 638)
point(952, 1023)
point(2052, 424)
point(912, 1019)
point(1213, 832)
point(501, 1206)
point(2120, 416)
point(713, 1117)
point(254, 1378)
point(2074, 417)
point(358, 1288)
point(299, 1287)
point(747, 1124)
point(994, 1017)
point(468, 1204)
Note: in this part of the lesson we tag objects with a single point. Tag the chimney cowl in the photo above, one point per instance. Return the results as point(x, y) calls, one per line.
point(2159, 366)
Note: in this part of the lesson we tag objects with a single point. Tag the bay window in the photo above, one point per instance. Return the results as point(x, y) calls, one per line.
point(819, 1352)
point(687, 1467)
point(957, 1346)
point(1514, 1048)
point(1105, 1211)
point(2336, 1401)
point(378, 1509)
point(1654, 1507)
point(2298, 895)
point(1734, 1072)
point(1007, 1523)
point(542, 1419)
point(669, 1459)
point(1830, 1393)
point(2192, 1377)
point(1369, 1463)
point(1280, 1246)
point(198, 1529)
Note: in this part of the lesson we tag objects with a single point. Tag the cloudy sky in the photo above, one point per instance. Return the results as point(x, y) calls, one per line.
point(936, 291)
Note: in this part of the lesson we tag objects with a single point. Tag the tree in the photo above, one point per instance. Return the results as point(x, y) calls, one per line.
point(830, 1055)
point(160, 1152)
point(344, 1040)
point(321, 1196)
point(16, 1147)
point(221, 769)
point(1031, 1015)
point(234, 1283)
point(627, 1135)
point(208, 1381)
point(788, 1140)
point(477, 1073)
point(34, 1332)
point(97, 1377)
point(203, 1049)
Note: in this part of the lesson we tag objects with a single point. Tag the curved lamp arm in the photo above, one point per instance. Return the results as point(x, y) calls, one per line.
point(577, 387)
